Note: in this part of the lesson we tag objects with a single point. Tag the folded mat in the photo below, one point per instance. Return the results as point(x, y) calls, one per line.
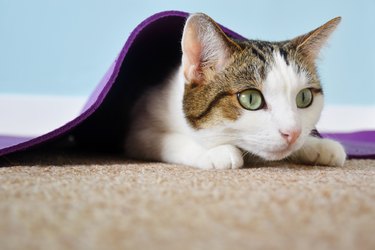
point(150, 53)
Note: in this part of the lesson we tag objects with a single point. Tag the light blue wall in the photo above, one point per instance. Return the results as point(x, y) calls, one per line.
point(64, 47)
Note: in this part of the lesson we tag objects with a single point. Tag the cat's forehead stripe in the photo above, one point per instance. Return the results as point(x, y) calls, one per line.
point(284, 55)
point(287, 73)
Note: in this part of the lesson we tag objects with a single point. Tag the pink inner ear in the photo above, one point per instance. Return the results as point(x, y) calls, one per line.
point(192, 53)
point(204, 45)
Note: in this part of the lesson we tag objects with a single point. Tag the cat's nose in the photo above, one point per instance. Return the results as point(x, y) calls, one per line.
point(290, 135)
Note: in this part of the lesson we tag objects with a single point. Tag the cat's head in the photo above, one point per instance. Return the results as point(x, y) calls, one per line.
point(264, 97)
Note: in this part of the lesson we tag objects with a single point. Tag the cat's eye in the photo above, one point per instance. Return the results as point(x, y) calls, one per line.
point(251, 99)
point(304, 98)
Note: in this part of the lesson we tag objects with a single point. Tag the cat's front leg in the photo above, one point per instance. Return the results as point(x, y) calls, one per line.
point(181, 149)
point(320, 151)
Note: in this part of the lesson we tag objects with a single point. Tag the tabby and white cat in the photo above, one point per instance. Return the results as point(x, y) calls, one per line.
point(229, 98)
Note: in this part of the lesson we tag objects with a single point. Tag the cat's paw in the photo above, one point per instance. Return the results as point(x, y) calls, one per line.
point(322, 152)
point(221, 157)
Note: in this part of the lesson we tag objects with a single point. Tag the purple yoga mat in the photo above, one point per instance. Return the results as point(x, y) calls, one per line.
point(103, 121)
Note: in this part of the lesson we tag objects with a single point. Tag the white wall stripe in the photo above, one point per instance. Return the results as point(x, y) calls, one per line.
point(346, 118)
point(31, 115)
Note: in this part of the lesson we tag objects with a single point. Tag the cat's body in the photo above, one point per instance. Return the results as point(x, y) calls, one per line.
point(230, 97)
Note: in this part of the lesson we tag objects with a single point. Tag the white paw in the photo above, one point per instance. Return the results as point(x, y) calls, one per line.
point(221, 157)
point(322, 152)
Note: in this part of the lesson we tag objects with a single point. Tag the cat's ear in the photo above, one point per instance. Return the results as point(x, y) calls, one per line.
point(310, 44)
point(205, 47)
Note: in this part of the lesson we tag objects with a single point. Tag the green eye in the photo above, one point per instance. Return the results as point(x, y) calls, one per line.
point(304, 98)
point(251, 99)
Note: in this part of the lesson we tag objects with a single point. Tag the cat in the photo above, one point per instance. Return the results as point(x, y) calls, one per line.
point(229, 98)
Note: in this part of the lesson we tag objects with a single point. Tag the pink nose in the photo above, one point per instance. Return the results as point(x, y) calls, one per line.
point(290, 135)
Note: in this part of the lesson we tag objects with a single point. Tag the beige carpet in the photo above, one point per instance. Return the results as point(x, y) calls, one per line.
point(80, 201)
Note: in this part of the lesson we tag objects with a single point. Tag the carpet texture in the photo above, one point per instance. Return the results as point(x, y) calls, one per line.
point(82, 201)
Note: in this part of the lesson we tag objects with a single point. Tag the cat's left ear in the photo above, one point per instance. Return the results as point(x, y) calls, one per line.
point(310, 44)
point(205, 47)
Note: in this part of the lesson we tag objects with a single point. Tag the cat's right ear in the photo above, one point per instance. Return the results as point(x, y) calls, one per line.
point(310, 44)
point(205, 47)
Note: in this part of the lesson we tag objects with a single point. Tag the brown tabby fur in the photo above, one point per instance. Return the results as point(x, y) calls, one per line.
point(214, 99)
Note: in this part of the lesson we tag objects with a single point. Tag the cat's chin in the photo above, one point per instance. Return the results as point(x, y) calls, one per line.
point(276, 155)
